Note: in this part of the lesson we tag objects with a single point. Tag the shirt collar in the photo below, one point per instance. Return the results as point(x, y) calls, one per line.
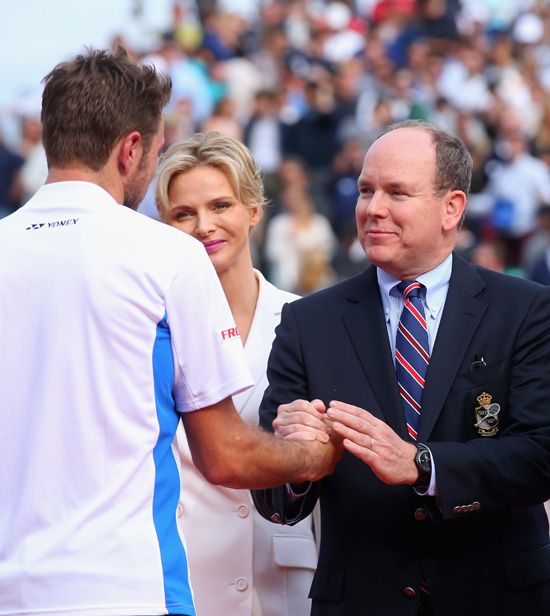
point(64, 193)
point(436, 282)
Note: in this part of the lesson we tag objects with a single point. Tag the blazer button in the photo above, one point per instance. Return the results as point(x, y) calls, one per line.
point(241, 584)
point(243, 511)
point(458, 509)
point(409, 592)
point(420, 514)
point(276, 518)
point(476, 505)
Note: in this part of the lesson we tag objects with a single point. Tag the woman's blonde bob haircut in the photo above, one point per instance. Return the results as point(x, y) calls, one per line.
point(226, 154)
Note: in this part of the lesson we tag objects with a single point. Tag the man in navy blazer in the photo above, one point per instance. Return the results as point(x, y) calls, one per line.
point(452, 522)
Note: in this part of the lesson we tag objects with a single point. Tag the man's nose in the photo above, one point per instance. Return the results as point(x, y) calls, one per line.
point(376, 205)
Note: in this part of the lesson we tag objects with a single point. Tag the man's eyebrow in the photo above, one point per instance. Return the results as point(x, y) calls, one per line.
point(397, 186)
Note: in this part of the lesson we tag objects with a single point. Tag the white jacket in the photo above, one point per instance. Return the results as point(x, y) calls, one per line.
point(241, 564)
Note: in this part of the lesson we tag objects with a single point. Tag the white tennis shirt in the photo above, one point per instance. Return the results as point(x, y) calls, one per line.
point(110, 325)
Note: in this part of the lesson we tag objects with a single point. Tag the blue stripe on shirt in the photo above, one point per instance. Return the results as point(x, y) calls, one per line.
point(177, 590)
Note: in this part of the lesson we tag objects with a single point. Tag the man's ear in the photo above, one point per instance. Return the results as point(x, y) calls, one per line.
point(455, 205)
point(130, 152)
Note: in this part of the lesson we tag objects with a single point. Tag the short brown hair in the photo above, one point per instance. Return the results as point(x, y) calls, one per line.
point(453, 163)
point(213, 149)
point(93, 101)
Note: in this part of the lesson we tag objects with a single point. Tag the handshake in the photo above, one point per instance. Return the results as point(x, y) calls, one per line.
point(351, 428)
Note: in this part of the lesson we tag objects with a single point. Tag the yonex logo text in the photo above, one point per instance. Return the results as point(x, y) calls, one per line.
point(51, 225)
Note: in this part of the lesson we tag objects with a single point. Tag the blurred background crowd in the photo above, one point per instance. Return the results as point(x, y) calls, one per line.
point(308, 85)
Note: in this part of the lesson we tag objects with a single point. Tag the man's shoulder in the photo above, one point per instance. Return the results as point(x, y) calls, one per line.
point(158, 234)
point(497, 287)
point(507, 282)
point(274, 295)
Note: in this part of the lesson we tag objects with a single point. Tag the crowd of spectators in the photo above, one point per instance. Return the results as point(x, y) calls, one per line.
point(309, 84)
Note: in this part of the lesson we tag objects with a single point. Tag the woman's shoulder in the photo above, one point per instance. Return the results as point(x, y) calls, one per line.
point(273, 294)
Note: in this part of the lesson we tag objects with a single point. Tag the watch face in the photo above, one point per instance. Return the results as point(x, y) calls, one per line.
point(424, 461)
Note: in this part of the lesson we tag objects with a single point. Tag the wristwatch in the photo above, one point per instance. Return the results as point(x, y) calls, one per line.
point(423, 462)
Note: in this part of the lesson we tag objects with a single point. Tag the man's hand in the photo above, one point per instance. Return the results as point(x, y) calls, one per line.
point(302, 421)
point(232, 453)
point(390, 457)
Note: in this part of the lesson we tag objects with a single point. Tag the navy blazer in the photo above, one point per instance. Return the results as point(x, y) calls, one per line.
point(483, 545)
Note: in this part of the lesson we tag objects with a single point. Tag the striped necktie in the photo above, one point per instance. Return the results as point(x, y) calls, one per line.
point(412, 353)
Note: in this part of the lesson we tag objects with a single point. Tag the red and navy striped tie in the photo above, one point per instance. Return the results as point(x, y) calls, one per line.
point(412, 353)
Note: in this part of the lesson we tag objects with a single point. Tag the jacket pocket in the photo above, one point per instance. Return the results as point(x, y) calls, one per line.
point(479, 376)
point(294, 551)
point(327, 586)
point(529, 568)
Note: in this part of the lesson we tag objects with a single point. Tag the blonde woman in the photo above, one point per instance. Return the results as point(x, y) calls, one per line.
point(209, 187)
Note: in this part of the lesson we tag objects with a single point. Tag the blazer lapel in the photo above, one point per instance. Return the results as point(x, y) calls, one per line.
point(367, 329)
point(461, 316)
point(264, 320)
point(252, 353)
point(260, 338)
